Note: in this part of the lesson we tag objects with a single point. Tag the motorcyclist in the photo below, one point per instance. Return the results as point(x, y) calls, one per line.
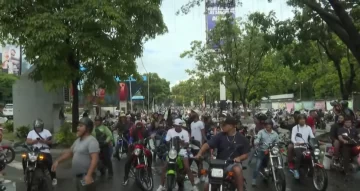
point(179, 131)
point(260, 119)
point(306, 133)
point(223, 142)
point(265, 136)
point(137, 133)
point(334, 137)
point(41, 138)
point(122, 127)
point(105, 138)
point(345, 147)
point(289, 126)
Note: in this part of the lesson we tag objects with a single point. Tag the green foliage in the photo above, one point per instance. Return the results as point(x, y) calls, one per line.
point(9, 126)
point(105, 37)
point(6, 82)
point(65, 137)
point(159, 88)
point(23, 131)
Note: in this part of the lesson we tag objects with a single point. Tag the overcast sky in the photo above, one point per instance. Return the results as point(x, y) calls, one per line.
point(161, 54)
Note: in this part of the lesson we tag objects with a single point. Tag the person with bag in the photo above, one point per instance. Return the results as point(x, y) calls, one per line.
point(40, 137)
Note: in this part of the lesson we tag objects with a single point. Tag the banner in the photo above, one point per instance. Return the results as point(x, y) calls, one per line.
point(320, 105)
point(11, 60)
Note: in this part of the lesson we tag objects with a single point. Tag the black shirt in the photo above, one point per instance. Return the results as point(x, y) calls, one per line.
point(352, 132)
point(225, 145)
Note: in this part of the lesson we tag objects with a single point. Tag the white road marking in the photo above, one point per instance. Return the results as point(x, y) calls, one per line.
point(16, 164)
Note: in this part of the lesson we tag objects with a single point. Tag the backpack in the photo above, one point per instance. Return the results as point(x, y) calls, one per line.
point(100, 137)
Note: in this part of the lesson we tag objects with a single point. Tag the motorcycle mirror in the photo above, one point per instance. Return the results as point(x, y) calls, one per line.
point(299, 135)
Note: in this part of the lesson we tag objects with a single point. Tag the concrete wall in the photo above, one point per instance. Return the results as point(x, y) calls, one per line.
point(32, 101)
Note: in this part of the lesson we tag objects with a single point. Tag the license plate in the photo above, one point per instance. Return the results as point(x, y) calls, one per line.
point(217, 173)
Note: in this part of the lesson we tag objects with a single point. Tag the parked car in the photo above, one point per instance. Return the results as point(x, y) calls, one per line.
point(8, 111)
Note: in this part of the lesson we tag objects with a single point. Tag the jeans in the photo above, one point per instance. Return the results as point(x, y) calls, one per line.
point(261, 162)
point(299, 156)
point(346, 154)
point(106, 157)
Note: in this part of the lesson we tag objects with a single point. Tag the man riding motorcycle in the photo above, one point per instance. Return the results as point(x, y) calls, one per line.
point(137, 133)
point(306, 133)
point(105, 138)
point(179, 131)
point(334, 137)
point(40, 137)
point(223, 142)
point(122, 127)
point(265, 136)
point(345, 147)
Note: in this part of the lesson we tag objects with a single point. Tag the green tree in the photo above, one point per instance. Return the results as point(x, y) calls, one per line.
point(58, 37)
point(240, 50)
point(6, 83)
point(159, 89)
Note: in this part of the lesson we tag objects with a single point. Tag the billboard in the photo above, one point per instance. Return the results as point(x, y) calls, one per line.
point(11, 63)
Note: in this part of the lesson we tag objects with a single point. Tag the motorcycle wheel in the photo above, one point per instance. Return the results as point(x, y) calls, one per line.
point(320, 173)
point(10, 151)
point(170, 182)
point(41, 180)
point(280, 185)
point(143, 175)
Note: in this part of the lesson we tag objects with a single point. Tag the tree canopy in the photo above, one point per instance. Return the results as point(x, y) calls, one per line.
point(6, 82)
point(58, 37)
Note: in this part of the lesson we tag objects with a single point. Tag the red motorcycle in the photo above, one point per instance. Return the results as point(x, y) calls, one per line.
point(140, 169)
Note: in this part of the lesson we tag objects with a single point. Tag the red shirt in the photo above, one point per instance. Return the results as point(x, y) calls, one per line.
point(310, 122)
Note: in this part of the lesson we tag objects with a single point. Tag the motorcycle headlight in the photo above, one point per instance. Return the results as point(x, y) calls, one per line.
point(137, 152)
point(32, 157)
point(275, 150)
point(316, 152)
point(172, 154)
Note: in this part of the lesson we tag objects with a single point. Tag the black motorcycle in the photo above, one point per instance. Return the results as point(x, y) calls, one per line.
point(311, 165)
point(219, 179)
point(37, 174)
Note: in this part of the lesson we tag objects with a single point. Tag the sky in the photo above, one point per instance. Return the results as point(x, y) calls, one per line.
point(162, 54)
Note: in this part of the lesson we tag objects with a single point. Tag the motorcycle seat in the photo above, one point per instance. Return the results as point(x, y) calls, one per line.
point(217, 162)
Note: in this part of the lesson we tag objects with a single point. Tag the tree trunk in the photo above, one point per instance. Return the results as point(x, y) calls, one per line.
point(75, 105)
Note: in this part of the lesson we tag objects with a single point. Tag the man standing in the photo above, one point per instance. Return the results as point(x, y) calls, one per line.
point(198, 134)
point(310, 121)
point(85, 154)
point(105, 138)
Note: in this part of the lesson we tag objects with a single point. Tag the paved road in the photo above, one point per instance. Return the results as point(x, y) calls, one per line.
point(65, 182)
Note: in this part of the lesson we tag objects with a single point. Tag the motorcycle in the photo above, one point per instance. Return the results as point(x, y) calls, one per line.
point(122, 143)
point(140, 168)
point(218, 178)
point(175, 172)
point(37, 175)
point(274, 166)
point(321, 124)
point(354, 156)
point(160, 145)
point(311, 164)
point(4, 154)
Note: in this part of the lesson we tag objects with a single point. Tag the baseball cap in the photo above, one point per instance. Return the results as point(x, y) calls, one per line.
point(230, 121)
point(178, 122)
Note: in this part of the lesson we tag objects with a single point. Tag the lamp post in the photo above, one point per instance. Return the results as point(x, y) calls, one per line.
point(131, 103)
point(148, 86)
point(300, 87)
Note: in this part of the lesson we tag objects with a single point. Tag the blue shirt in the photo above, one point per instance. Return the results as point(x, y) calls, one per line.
point(265, 137)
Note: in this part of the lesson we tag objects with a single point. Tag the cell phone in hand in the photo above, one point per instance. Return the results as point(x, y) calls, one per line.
point(82, 181)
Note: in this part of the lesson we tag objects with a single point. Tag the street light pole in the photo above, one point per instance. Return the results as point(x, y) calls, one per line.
point(300, 88)
point(148, 86)
point(131, 103)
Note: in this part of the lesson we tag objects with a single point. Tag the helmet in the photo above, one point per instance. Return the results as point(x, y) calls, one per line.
point(139, 125)
point(39, 124)
point(261, 117)
point(344, 104)
point(89, 124)
point(334, 103)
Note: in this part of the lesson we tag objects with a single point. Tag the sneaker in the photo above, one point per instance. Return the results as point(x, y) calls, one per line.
point(253, 182)
point(195, 188)
point(203, 178)
point(125, 182)
point(54, 182)
point(161, 188)
point(296, 174)
point(196, 180)
point(291, 165)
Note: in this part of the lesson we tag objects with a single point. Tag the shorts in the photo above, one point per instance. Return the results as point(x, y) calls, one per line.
point(195, 151)
point(231, 166)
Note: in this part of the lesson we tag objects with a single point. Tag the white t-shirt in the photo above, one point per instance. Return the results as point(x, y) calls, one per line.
point(305, 131)
point(183, 135)
point(10, 68)
point(196, 128)
point(45, 134)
